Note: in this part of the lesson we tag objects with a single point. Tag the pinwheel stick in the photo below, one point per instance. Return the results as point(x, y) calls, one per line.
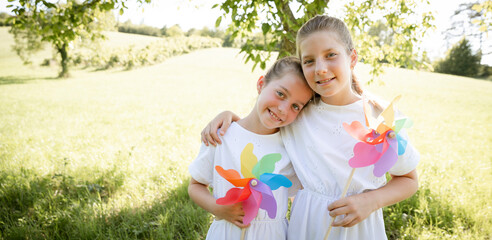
point(343, 195)
point(243, 232)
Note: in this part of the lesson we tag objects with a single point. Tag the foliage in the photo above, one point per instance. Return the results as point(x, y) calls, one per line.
point(61, 23)
point(174, 31)
point(460, 61)
point(277, 18)
point(4, 19)
point(485, 10)
point(128, 27)
point(472, 20)
point(132, 57)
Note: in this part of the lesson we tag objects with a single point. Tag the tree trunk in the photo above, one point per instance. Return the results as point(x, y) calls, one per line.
point(287, 47)
point(64, 60)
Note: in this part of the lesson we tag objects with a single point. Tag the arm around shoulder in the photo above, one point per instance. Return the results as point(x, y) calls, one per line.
point(222, 121)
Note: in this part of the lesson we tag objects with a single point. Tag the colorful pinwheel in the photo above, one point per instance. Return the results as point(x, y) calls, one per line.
point(375, 147)
point(255, 189)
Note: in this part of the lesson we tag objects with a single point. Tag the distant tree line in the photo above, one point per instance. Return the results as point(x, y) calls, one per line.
point(176, 31)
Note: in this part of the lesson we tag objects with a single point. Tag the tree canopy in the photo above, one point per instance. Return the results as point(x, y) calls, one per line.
point(279, 21)
point(58, 23)
point(460, 60)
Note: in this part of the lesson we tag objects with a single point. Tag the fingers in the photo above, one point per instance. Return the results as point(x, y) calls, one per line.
point(225, 126)
point(240, 224)
point(337, 204)
point(213, 133)
point(341, 208)
point(206, 137)
point(346, 221)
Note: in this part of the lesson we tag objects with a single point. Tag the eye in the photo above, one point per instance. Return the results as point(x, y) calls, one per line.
point(280, 94)
point(296, 107)
point(307, 61)
point(329, 55)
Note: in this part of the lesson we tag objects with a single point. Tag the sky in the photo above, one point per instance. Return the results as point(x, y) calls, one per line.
point(198, 14)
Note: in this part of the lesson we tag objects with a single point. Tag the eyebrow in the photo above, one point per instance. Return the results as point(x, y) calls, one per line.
point(324, 51)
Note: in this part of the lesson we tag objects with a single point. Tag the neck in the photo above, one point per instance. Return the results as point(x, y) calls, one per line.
point(341, 99)
point(252, 123)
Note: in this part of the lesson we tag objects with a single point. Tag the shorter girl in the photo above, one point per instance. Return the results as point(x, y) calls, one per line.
point(283, 92)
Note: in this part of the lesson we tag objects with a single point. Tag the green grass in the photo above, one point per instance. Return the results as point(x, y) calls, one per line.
point(104, 155)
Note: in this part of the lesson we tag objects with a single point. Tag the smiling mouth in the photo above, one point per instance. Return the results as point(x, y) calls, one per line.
point(274, 115)
point(323, 81)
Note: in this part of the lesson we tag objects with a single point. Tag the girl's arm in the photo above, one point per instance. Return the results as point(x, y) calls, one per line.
point(358, 207)
point(222, 121)
point(200, 195)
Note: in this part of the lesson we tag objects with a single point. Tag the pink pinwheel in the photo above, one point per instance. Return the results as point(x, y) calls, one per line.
point(257, 184)
point(375, 147)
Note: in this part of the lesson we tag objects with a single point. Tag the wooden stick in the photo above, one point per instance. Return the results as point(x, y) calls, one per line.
point(343, 195)
point(243, 232)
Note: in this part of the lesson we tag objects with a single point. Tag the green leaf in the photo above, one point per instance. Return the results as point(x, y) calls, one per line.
point(265, 27)
point(217, 22)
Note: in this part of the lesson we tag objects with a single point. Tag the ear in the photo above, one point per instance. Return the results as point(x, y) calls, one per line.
point(353, 58)
point(260, 84)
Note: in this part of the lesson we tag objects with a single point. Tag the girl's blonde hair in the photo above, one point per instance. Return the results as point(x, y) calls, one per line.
point(331, 24)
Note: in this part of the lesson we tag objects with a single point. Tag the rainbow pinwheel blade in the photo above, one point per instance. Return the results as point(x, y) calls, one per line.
point(389, 113)
point(234, 195)
point(266, 164)
point(251, 206)
point(274, 181)
point(402, 123)
point(387, 159)
point(248, 161)
point(232, 176)
point(402, 145)
point(268, 202)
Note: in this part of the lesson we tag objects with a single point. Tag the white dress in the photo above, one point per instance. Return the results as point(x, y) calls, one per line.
point(320, 149)
point(227, 155)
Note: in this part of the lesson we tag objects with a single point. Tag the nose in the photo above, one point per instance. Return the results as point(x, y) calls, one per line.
point(320, 68)
point(282, 108)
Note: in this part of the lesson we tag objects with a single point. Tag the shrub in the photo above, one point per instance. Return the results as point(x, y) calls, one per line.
point(460, 61)
point(131, 57)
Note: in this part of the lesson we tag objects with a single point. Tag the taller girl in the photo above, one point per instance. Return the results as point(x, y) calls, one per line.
point(320, 149)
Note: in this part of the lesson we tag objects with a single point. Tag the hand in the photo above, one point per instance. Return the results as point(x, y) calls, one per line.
point(355, 208)
point(232, 213)
point(222, 121)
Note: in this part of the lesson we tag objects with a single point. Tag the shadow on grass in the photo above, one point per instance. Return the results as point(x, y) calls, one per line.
point(6, 80)
point(61, 207)
point(175, 217)
point(422, 210)
point(46, 207)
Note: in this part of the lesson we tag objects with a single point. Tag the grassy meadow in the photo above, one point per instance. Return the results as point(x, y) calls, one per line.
point(104, 154)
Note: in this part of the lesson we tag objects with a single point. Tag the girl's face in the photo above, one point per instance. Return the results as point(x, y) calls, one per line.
point(328, 67)
point(281, 100)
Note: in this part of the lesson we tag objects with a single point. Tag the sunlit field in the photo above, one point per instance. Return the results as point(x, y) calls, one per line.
point(104, 154)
